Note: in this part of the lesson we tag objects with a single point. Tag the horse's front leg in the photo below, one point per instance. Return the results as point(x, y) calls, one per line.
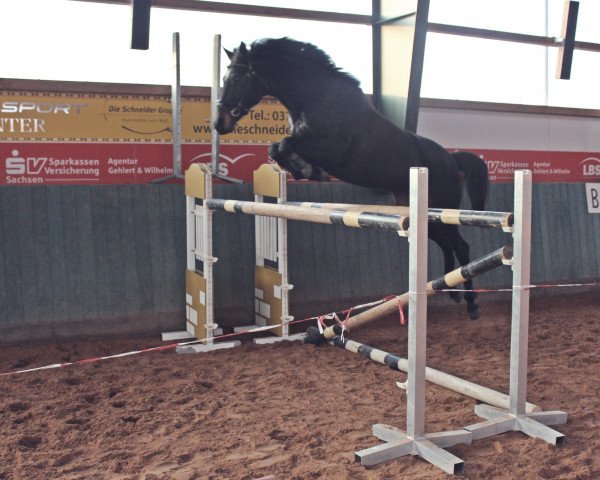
point(285, 156)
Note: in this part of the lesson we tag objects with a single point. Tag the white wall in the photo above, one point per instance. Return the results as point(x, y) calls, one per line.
point(504, 131)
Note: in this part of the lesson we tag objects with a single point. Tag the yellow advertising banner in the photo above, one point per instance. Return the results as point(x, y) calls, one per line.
point(122, 118)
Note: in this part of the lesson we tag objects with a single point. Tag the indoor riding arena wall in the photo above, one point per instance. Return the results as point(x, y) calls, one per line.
point(96, 260)
point(102, 259)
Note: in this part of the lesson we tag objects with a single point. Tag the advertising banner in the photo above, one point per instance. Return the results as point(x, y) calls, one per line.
point(546, 167)
point(75, 139)
point(121, 118)
point(115, 163)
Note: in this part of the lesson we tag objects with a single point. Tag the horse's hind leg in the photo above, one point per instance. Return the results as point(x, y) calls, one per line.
point(438, 235)
point(462, 251)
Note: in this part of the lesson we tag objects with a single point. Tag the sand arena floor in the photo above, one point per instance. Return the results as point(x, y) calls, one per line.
point(293, 411)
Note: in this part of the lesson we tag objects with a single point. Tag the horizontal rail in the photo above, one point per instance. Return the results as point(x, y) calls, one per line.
point(436, 215)
point(507, 36)
point(450, 280)
point(443, 379)
point(357, 219)
point(254, 10)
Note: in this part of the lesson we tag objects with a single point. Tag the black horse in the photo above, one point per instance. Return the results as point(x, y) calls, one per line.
point(336, 131)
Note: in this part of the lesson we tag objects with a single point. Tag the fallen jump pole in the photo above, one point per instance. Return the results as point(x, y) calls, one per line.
point(358, 219)
point(450, 280)
point(456, 384)
point(447, 216)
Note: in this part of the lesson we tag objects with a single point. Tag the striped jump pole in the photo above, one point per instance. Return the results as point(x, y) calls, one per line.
point(451, 382)
point(450, 280)
point(447, 216)
point(331, 216)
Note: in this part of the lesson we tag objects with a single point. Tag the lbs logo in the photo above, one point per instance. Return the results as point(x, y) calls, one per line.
point(17, 165)
point(591, 167)
point(223, 166)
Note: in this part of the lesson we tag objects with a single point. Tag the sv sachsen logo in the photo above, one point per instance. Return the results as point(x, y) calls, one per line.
point(18, 165)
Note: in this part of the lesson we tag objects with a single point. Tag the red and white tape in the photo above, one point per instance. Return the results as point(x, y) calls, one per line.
point(319, 318)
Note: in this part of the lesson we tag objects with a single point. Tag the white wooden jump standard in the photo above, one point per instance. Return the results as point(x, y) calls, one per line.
point(271, 284)
point(414, 441)
point(517, 418)
point(199, 270)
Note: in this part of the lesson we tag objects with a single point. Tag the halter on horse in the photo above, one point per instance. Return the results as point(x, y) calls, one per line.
point(336, 131)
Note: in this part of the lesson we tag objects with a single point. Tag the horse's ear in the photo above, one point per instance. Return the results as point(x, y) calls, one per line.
point(243, 50)
point(229, 53)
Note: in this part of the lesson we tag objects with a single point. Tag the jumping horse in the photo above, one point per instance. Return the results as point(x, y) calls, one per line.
point(336, 131)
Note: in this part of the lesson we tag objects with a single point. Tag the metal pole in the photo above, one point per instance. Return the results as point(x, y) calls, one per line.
point(443, 379)
point(521, 280)
point(417, 315)
point(214, 100)
point(447, 216)
point(175, 114)
point(176, 105)
point(315, 215)
point(452, 279)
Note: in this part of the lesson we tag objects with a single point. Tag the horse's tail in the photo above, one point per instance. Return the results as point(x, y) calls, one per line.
point(475, 172)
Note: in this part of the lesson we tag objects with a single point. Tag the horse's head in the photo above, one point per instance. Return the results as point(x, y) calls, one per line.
point(242, 89)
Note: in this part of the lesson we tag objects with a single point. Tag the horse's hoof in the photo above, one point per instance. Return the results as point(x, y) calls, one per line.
point(314, 336)
point(456, 296)
point(275, 151)
point(473, 312)
point(320, 175)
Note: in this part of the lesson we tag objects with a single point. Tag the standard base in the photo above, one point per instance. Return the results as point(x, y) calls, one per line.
point(199, 348)
point(228, 179)
point(289, 338)
point(244, 328)
point(185, 335)
point(167, 178)
point(533, 424)
point(429, 447)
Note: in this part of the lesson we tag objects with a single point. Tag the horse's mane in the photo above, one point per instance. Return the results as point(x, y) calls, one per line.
point(287, 47)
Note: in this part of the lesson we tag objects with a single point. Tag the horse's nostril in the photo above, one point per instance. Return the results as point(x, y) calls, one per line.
point(223, 124)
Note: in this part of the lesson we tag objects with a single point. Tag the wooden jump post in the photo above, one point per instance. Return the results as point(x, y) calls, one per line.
point(271, 275)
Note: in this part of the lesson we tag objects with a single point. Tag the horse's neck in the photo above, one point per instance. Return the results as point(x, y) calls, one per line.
point(291, 85)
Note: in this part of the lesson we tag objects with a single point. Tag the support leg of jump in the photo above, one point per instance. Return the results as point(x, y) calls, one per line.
point(516, 417)
point(430, 447)
point(184, 335)
point(498, 421)
point(415, 441)
point(200, 348)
